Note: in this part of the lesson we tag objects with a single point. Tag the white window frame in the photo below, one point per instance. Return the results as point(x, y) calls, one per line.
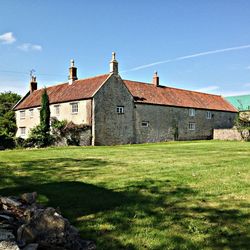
point(191, 112)
point(22, 131)
point(145, 124)
point(120, 109)
point(208, 115)
point(57, 110)
point(191, 126)
point(74, 108)
point(31, 113)
point(22, 114)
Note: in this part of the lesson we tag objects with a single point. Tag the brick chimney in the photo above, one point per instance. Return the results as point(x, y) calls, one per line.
point(72, 72)
point(113, 64)
point(33, 84)
point(156, 79)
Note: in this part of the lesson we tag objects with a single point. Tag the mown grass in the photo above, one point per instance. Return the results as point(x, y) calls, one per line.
point(176, 195)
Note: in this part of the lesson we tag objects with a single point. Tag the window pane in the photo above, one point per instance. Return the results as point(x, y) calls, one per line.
point(145, 124)
point(120, 109)
point(74, 107)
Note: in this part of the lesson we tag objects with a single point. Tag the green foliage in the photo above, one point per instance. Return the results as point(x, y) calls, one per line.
point(45, 112)
point(175, 195)
point(7, 115)
point(38, 137)
point(19, 142)
point(68, 130)
point(243, 126)
point(57, 126)
point(6, 141)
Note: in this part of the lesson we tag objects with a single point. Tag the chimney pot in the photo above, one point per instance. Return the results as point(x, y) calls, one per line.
point(72, 72)
point(156, 79)
point(113, 64)
point(33, 84)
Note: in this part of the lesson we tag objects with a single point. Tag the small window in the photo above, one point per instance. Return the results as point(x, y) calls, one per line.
point(31, 113)
point(22, 114)
point(209, 115)
point(145, 124)
point(120, 109)
point(23, 131)
point(191, 126)
point(57, 110)
point(191, 112)
point(74, 108)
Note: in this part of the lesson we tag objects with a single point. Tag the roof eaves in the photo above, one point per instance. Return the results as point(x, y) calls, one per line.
point(176, 106)
point(15, 106)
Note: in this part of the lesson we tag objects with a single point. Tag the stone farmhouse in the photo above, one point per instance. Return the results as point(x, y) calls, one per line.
point(122, 111)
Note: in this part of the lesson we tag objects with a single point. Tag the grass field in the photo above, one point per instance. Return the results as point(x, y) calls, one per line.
point(176, 195)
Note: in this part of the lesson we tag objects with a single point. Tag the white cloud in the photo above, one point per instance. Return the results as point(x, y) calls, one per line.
point(7, 38)
point(30, 47)
point(247, 84)
point(208, 89)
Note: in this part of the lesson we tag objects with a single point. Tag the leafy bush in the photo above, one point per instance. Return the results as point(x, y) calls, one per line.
point(242, 124)
point(19, 142)
point(68, 131)
point(38, 137)
point(6, 141)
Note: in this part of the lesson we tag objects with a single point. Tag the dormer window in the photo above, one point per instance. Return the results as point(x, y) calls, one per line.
point(191, 112)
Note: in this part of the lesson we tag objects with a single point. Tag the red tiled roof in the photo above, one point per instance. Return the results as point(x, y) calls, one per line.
point(142, 93)
point(148, 93)
point(80, 89)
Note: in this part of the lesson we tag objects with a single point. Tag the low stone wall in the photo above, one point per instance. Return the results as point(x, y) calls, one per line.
point(82, 138)
point(227, 134)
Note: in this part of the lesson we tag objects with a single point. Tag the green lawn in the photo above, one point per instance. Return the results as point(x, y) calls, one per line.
point(175, 195)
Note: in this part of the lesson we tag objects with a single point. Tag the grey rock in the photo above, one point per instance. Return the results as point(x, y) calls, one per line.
point(6, 235)
point(29, 198)
point(10, 201)
point(8, 245)
point(33, 246)
point(6, 217)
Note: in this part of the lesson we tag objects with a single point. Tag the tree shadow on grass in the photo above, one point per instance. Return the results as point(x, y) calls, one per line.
point(48, 170)
point(123, 212)
point(135, 217)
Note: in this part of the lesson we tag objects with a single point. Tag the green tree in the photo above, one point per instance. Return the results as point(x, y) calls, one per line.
point(7, 115)
point(45, 112)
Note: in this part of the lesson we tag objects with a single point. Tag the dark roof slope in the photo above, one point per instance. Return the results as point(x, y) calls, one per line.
point(148, 93)
point(79, 90)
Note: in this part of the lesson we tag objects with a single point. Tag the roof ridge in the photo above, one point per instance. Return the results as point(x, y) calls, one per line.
point(58, 84)
point(150, 84)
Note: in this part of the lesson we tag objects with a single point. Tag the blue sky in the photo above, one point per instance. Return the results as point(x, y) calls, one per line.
point(196, 45)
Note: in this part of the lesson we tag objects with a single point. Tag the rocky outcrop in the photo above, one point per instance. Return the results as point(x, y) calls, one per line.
point(26, 225)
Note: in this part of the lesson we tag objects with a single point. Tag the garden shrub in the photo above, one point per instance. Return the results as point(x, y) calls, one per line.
point(6, 141)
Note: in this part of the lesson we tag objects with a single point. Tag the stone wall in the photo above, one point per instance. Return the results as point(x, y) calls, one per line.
point(227, 134)
point(172, 123)
point(83, 137)
point(110, 127)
